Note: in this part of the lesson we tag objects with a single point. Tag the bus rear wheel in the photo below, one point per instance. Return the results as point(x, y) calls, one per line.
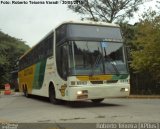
point(52, 96)
point(25, 91)
point(97, 100)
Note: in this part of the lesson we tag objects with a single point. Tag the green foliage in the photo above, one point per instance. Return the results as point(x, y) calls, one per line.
point(107, 10)
point(10, 50)
point(146, 55)
point(128, 32)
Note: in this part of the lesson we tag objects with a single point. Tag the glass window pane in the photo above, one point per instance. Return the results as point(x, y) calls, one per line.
point(114, 58)
point(62, 61)
point(94, 58)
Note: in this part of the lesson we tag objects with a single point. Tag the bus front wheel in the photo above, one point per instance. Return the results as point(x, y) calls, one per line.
point(52, 96)
point(97, 100)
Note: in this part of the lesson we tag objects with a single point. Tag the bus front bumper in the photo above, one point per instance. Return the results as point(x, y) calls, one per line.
point(99, 91)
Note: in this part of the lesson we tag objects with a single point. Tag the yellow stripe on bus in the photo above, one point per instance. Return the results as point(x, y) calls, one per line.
point(95, 78)
point(26, 77)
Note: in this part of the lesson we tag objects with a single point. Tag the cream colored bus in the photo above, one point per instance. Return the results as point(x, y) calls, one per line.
point(76, 61)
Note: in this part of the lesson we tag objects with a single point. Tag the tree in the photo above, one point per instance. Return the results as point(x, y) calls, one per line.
point(128, 32)
point(10, 50)
point(146, 56)
point(107, 10)
point(158, 5)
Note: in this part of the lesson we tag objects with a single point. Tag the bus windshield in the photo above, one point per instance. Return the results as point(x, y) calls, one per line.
point(94, 58)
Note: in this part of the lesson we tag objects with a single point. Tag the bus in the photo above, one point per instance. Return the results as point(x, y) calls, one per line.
point(76, 61)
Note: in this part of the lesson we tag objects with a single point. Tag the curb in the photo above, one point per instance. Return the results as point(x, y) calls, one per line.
point(144, 96)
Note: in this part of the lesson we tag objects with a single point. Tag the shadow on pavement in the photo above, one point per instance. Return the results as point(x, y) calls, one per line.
point(89, 104)
point(76, 104)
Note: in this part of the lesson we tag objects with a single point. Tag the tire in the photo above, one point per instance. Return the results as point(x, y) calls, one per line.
point(25, 91)
point(97, 100)
point(52, 95)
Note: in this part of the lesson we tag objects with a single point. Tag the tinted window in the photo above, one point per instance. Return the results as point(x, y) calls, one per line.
point(62, 60)
point(42, 50)
point(95, 58)
point(61, 33)
point(101, 33)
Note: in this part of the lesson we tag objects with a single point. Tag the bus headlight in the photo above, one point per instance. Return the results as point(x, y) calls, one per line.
point(79, 92)
point(124, 89)
point(82, 94)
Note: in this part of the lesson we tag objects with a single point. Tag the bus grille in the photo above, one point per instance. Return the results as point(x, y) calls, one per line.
point(112, 81)
point(97, 82)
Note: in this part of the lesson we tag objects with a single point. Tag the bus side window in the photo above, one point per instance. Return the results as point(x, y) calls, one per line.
point(62, 62)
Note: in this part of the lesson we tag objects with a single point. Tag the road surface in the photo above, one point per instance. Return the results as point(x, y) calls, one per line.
point(17, 108)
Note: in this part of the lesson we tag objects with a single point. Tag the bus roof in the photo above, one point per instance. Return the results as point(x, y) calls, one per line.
point(89, 23)
point(73, 22)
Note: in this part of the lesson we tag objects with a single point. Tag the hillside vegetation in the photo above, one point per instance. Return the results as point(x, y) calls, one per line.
point(11, 49)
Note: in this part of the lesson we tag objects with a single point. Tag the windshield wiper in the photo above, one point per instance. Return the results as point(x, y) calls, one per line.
point(98, 59)
point(111, 61)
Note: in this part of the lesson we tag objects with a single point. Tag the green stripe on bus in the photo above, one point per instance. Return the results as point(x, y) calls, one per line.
point(39, 74)
point(117, 77)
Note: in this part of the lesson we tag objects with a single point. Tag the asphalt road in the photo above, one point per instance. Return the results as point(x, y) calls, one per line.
point(17, 108)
